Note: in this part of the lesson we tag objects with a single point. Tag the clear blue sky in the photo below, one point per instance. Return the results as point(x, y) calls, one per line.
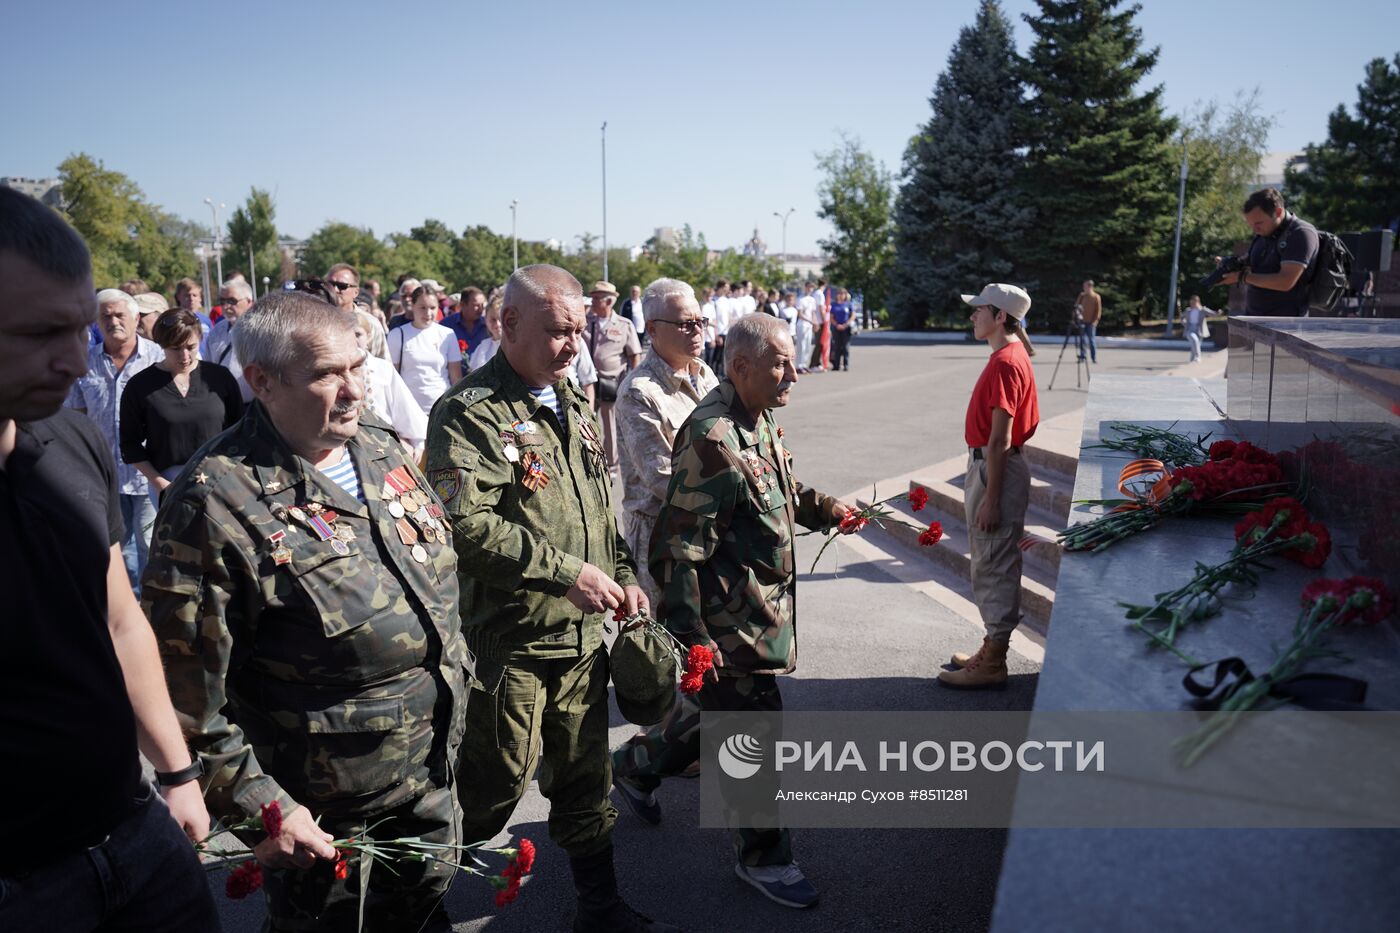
point(382, 114)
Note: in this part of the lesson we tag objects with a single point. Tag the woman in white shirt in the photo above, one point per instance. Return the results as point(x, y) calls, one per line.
point(488, 347)
point(386, 394)
point(425, 352)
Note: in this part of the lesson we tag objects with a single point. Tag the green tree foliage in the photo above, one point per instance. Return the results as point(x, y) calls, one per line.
point(855, 195)
point(1352, 180)
point(1225, 145)
point(340, 242)
point(1099, 174)
point(958, 217)
point(127, 236)
point(251, 230)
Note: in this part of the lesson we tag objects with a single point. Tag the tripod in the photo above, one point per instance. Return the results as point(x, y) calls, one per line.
point(1076, 331)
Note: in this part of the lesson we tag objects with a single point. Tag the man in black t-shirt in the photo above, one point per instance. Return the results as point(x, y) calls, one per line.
point(1281, 258)
point(87, 844)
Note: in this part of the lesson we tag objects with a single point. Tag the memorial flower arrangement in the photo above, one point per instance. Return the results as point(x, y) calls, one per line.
point(1236, 477)
point(879, 512)
point(1173, 449)
point(1282, 527)
point(693, 661)
point(247, 875)
point(1327, 604)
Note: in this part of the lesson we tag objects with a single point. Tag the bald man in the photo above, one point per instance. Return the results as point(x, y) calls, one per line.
point(516, 456)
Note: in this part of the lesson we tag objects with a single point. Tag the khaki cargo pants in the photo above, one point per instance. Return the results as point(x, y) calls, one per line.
point(996, 555)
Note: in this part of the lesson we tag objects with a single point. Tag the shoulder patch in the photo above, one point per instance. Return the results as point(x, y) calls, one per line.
point(448, 483)
point(719, 430)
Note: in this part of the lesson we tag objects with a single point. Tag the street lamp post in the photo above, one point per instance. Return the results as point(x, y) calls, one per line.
point(1176, 249)
point(218, 246)
point(784, 217)
point(267, 283)
point(203, 255)
point(605, 200)
point(514, 244)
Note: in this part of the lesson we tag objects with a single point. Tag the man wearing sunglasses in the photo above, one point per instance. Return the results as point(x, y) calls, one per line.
point(343, 283)
point(652, 403)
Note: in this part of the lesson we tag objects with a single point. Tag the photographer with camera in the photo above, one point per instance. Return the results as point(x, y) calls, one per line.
point(1276, 270)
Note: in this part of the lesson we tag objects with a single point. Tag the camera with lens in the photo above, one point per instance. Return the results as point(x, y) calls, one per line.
point(1227, 265)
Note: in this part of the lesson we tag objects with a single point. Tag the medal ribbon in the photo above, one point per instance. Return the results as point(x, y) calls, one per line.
point(1147, 482)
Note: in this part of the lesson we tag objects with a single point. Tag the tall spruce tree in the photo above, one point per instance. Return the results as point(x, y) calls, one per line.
point(1352, 181)
point(958, 217)
point(1098, 170)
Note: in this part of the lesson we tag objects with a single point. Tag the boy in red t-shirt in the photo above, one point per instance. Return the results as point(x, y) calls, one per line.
point(1002, 415)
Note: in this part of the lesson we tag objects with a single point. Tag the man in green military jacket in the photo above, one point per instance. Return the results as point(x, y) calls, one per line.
point(722, 553)
point(302, 585)
point(517, 458)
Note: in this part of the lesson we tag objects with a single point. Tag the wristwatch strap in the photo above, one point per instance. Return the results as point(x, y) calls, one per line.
point(183, 776)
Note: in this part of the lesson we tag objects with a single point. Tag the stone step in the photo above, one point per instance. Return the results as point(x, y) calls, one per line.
point(952, 555)
point(1052, 497)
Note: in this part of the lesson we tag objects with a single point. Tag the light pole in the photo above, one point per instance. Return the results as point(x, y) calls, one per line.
point(784, 217)
point(203, 255)
point(605, 200)
point(514, 244)
point(218, 244)
point(267, 283)
point(1176, 249)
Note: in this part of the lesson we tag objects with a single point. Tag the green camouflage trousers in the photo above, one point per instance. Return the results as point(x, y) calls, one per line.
point(550, 712)
point(663, 752)
point(315, 900)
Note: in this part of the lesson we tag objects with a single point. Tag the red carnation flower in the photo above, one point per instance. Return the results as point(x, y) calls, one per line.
point(243, 880)
point(853, 522)
point(342, 869)
point(526, 858)
point(272, 819)
point(507, 890)
point(1222, 450)
point(1316, 555)
point(699, 660)
point(1371, 597)
point(1330, 593)
point(918, 498)
point(932, 535)
point(462, 345)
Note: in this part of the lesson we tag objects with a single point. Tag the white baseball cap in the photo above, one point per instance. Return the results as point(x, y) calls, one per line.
point(1014, 301)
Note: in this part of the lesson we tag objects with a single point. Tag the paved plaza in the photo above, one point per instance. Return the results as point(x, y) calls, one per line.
point(868, 642)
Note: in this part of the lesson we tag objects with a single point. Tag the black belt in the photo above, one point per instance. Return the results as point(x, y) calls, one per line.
point(977, 451)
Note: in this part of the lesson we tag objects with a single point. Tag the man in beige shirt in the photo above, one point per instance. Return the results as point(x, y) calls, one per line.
point(613, 344)
point(652, 404)
point(1089, 304)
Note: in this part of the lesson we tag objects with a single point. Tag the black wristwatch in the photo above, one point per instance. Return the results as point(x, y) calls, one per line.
point(183, 776)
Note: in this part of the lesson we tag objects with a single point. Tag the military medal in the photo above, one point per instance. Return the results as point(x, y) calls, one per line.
point(407, 533)
point(524, 427)
point(396, 508)
point(435, 510)
point(297, 513)
point(345, 533)
point(281, 554)
point(420, 553)
point(533, 477)
point(315, 508)
point(340, 547)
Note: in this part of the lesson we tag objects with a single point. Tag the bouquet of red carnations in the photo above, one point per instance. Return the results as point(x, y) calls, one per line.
point(879, 512)
point(1282, 527)
point(1238, 477)
point(247, 876)
point(1327, 604)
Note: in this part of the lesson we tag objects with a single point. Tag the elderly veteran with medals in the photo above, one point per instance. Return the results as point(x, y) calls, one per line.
point(516, 456)
point(723, 555)
point(302, 585)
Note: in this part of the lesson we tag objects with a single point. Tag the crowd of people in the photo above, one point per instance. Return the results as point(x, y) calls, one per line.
point(376, 552)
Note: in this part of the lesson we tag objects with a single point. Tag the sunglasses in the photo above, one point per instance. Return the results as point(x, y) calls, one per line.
point(316, 287)
point(342, 286)
point(693, 326)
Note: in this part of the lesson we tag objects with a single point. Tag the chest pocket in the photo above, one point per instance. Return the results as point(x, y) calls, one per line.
point(343, 589)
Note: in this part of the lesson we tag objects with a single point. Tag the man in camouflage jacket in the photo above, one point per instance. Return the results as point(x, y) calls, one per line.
point(722, 554)
point(517, 458)
point(310, 635)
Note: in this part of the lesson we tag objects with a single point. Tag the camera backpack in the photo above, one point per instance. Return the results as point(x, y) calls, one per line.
point(1331, 272)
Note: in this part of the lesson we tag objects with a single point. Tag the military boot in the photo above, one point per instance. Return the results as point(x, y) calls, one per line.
point(600, 909)
point(986, 670)
point(962, 658)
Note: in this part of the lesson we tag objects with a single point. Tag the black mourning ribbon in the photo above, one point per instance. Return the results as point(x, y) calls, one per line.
point(1310, 691)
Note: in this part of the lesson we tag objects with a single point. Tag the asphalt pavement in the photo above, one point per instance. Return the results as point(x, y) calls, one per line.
point(866, 642)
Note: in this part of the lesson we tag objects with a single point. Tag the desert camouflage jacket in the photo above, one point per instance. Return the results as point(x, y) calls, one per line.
point(313, 654)
point(530, 501)
point(722, 551)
